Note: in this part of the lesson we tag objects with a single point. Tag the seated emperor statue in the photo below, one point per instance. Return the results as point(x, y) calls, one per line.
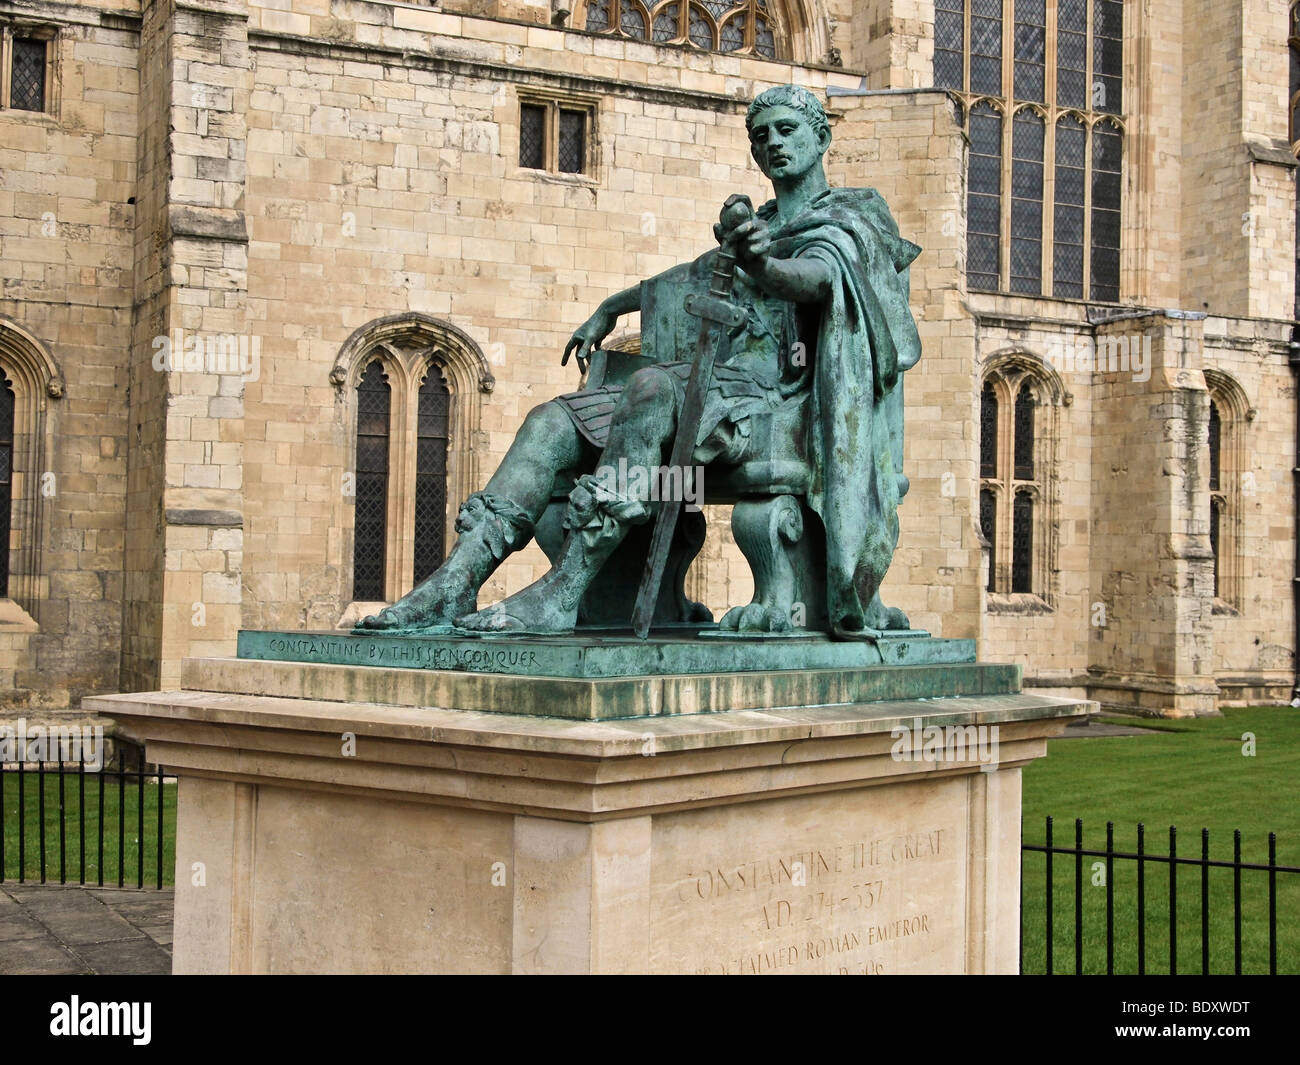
point(821, 275)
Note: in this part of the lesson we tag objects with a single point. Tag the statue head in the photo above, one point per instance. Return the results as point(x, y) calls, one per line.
point(788, 132)
point(795, 97)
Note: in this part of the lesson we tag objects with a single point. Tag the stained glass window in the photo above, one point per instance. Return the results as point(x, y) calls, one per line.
point(374, 400)
point(573, 141)
point(1022, 543)
point(989, 527)
point(1215, 446)
point(1024, 438)
point(1011, 481)
point(431, 473)
point(532, 136)
point(713, 25)
point(1071, 170)
point(27, 82)
point(1108, 55)
point(984, 198)
point(1067, 141)
point(1107, 153)
point(1027, 203)
point(989, 432)
point(1031, 50)
point(986, 47)
point(949, 44)
point(1216, 519)
point(1072, 53)
point(7, 402)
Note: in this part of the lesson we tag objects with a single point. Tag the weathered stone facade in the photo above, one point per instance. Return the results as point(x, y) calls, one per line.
point(293, 183)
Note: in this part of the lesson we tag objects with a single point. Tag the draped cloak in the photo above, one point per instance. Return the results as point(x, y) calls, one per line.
point(858, 342)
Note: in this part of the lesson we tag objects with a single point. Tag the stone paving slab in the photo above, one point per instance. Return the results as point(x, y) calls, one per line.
point(52, 929)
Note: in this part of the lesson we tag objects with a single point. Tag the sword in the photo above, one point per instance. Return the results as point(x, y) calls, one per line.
point(710, 310)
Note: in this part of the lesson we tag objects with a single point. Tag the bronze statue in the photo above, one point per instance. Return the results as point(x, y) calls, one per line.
point(800, 424)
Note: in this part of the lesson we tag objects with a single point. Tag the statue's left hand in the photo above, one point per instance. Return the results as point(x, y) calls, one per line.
point(587, 337)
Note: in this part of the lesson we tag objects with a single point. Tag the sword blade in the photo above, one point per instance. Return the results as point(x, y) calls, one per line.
point(688, 427)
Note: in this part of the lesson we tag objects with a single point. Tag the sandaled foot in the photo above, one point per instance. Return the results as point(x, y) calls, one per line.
point(543, 607)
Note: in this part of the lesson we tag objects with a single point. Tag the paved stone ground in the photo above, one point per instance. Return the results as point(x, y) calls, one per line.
point(55, 930)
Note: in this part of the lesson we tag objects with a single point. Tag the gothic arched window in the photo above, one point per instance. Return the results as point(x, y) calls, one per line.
point(413, 385)
point(1061, 146)
point(374, 408)
point(433, 435)
point(742, 26)
point(1229, 480)
point(7, 400)
point(1014, 497)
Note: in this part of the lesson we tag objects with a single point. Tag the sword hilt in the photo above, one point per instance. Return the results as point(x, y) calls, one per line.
point(737, 210)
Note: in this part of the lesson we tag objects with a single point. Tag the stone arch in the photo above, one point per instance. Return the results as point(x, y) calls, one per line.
point(1008, 371)
point(408, 344)
point(36, 378)
point(1235, 413)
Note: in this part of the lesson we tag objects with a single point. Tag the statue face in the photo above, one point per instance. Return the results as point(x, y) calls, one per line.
point(784, 145)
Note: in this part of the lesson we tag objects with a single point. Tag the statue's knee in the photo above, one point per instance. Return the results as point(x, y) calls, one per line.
point(647, 390)
point(547, 420)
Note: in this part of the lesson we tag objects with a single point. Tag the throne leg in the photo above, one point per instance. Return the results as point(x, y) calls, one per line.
point(780, 539)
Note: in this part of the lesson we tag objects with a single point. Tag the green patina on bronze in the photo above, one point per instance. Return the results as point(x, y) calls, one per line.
point(801, 426)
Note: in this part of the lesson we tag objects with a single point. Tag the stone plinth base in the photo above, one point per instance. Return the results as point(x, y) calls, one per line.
point(321, 834)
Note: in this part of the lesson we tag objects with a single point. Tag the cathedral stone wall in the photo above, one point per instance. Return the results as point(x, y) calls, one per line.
point(288, 183)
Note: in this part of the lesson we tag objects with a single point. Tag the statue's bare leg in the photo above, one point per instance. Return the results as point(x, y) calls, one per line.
point(494, 522)
point(598, 517)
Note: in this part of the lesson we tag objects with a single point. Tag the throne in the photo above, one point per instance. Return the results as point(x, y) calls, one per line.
point(779, 534)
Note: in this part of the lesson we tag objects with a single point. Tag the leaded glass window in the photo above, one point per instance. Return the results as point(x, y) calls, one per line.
point(1025, 434)
point(7, 404)
point(1012, 489)
point(989, 527)
point(1216, 436)
point(433, 435)
point(1071, 172)
point(984, 197)
point(1022, 543)
point(1107, 152)
point(1031, 50)
point(554, 134)
point(1027, 203)
point(741, 26)
point(1065, 58)
point(573, 142)
point(532, 136)
point(27, 74)
point(1216, 519)
point(374, 400)
point(989, 432)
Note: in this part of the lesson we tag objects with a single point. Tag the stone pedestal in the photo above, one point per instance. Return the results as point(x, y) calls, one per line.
point(343, 818)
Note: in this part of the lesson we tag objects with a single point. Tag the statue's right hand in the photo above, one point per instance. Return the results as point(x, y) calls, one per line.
point(587, 338)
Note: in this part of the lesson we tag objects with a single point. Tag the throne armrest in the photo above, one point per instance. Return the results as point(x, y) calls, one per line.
point(608, 367)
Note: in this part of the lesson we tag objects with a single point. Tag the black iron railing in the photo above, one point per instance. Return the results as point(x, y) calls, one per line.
point(118, 822)
point(1143, 918)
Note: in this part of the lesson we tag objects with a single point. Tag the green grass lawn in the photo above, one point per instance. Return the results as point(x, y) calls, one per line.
point(1192, 774)
point(121, 806)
